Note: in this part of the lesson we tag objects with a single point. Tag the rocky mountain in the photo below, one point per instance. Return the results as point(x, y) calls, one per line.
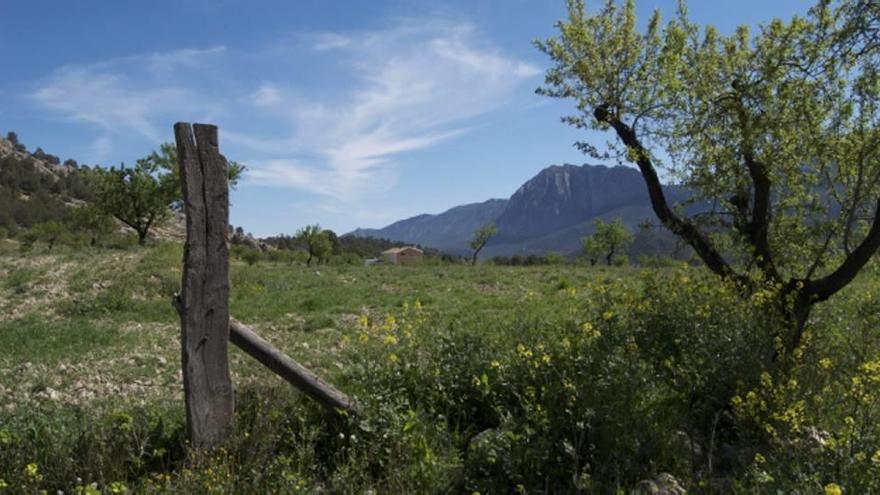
point(448, 231)
point(550, 212)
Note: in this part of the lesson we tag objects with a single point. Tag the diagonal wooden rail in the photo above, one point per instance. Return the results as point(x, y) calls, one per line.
point(203, 304)
point(296, 374)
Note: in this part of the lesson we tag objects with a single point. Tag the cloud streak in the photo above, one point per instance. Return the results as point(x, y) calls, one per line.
point(415, 84)
point(388, 92)
point(127, 94)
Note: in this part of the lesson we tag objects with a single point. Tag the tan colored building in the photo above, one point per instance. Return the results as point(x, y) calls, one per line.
point(406, 255)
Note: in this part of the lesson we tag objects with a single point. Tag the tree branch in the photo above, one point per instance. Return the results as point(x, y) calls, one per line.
point(825, 287)
point(683, 228)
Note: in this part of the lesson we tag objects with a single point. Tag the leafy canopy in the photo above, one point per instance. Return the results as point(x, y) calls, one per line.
point(143, 195)
point(318, 241)
point(777, 130)
point(481, 238)
point(608, 239)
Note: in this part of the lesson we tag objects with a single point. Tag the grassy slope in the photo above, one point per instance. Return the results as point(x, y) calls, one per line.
point(90, 377)
point(86, 325)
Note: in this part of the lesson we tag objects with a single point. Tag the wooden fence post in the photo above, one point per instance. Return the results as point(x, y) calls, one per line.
point(204, 300)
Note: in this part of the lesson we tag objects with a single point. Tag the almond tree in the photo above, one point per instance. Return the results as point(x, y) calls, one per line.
point(607, 239)
point(776, 129)
point(481, 238)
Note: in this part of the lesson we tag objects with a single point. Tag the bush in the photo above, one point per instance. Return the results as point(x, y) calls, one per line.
point(251, 256)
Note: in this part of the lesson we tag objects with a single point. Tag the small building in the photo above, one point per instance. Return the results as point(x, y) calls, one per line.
point(407, 255)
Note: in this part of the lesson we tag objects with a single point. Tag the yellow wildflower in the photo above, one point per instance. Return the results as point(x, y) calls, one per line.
point(31, 471)
point(833, 489)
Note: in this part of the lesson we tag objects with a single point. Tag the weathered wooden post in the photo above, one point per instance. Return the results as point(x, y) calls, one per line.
point(204, 300)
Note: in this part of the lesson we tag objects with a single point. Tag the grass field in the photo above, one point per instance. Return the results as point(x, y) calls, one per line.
point(472, 379)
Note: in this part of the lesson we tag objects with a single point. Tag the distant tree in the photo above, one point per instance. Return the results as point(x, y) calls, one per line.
point(136, 196)
point(50, 232)
point(317, 241)
point(481, 237)
point(92, 221)
point(12, 138)
point(608, 239)
point(777, 129)
point(554, 258)
point(46, 157)
point(142, 196)
point(335, 244)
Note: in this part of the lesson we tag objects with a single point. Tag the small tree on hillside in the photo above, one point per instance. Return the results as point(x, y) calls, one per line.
point(143, 195)
point(777, 130)
point(50, 232)
point(137, 196)
point(481, 237)
point(92, 221)
point(317, 241)
point(607, 240)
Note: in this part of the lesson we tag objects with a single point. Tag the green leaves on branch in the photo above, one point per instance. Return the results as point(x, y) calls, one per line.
point(777, 130)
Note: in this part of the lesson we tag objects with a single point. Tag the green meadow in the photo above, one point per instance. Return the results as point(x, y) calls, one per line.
point(486, 379)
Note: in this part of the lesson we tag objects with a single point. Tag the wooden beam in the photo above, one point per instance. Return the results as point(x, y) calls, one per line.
point(204, 300)
point(299, 376)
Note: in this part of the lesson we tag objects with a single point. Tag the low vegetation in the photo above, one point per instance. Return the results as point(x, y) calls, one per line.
point(484, 379)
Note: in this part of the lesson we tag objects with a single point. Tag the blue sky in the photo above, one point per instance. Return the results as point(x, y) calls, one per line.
point(347, 113)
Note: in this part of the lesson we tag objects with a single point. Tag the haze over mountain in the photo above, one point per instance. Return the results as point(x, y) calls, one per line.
point(550, 212)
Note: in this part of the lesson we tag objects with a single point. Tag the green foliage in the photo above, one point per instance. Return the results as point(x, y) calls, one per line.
point(481, 237)
point(165, 160)
point(51, 233)
point(776, 129)
point(136, 196)
point(555, 258)
point(91, 221)
point(251, 256)
point(607, 240)
point(545, 379)
point(318, 242)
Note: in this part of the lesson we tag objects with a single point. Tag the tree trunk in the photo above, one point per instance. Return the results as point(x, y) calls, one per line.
point(796, 309)
point(142, 237)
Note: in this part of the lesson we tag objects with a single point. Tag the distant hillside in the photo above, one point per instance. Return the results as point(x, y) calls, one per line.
point(36, 187)
point(550, 212)
point(447, 231)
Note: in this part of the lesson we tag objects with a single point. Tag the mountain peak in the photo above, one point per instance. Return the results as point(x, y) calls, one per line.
point(550, 211)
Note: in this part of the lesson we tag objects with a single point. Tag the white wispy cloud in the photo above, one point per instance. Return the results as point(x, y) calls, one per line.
point(413, 85)
point(388, 92)
point(266, 95)
point(127, 94)
point(329, 41)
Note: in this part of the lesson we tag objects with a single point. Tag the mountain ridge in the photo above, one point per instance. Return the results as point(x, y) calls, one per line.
point(551, 211)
